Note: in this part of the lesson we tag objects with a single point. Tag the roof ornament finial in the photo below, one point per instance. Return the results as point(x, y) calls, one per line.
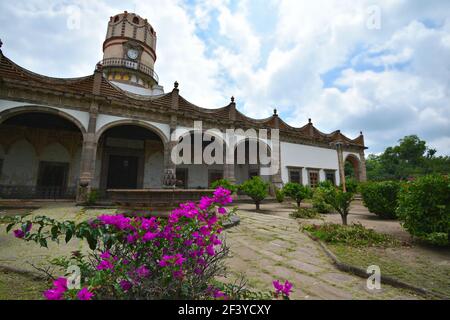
point(1, 43)
point(232, 99)
point(361, 133)
point(310, 121)
point(275, 112)
point(176, 84)
point(98, 67)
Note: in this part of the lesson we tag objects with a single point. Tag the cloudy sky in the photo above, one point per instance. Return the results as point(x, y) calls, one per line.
point(378, 66)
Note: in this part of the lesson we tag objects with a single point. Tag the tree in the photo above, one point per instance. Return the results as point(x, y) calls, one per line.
point(410, 158)
point(297, 192)
point(257, 189)
point(340, 201)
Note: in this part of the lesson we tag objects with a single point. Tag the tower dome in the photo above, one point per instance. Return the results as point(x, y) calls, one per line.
point(129, 54)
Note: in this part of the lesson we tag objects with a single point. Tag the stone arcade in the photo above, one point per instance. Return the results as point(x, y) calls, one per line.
point(60, 138)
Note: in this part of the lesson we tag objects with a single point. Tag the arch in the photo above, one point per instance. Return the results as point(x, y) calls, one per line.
point(356, 164)
point(9, 113)
point(132, 122)
point(55, 152)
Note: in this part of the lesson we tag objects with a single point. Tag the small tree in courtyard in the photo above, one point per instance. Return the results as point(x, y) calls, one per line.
point(257, 189)
point(297, 192)
point(340, 201)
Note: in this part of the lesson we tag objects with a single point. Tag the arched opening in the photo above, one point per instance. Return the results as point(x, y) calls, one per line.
point(352, 168)
point(41, 154)
point(130, 156)
point(196, 171)
point(249, 157)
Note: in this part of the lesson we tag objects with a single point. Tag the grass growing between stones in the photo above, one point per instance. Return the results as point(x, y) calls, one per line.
point(400, 264)
point(15, 286)
point(355, 235)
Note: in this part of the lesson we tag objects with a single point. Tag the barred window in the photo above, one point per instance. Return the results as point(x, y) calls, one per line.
point(295, 175)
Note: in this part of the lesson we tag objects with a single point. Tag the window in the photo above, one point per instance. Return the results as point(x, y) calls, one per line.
point(330, 176)
point(136, 20)
point(214, 175)
point(313, 178)
point(253, 173)
point(182, 177)
point(116, 18)
point(295, 175)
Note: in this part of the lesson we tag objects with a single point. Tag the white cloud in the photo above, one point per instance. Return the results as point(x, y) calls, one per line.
point(389, 82)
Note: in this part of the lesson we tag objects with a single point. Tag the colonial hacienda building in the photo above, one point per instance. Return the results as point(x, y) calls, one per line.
point(112, 129)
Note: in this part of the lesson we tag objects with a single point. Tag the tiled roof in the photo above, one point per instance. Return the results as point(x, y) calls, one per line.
point(9, 71)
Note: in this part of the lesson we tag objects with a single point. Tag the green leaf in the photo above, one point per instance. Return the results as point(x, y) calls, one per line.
point(9, 227)
point(69, 234)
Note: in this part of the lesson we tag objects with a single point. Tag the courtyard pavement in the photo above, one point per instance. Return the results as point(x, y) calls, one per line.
point(264, 247)
point(267, 247)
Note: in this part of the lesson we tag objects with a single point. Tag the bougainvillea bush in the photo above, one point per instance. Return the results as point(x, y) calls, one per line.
point(144, 257)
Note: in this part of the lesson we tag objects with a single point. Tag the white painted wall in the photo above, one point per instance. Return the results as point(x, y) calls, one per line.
point(297, 155)
point(104, 119)
point(81, 116)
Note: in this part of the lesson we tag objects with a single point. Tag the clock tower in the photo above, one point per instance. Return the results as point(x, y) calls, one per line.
point(129, 54)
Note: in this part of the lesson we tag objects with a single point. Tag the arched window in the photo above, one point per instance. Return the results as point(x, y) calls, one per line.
point(136, 20)
point(116, 18)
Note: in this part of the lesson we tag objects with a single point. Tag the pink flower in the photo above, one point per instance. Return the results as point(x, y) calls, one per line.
point(84, 294)
point(105, 265)
point(105, 255)
point(210, 250)
point(205, 203)
point(149, 236)
point(61, 284)
point(125, 285)
point(222, 210)
point(53, 294)
point(285, 289)
point(143, 272)
point(19, 234)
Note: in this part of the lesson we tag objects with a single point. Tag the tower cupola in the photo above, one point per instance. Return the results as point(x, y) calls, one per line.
point(129, 54)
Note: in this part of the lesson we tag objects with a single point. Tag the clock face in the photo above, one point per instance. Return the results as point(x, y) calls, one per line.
point(132, 54)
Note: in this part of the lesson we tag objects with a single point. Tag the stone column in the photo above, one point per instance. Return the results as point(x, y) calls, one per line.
point(228, 163)
point(88, 158)
point(276, 179)
point(341, 163)
point(170, 168)
point(362, 166)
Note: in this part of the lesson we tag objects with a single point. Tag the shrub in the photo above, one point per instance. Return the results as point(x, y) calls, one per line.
point(279, 195)
point(424, 208)
point(92, 197)
point(355, 235)
point(297, 192)
point(305, 213)
point(351, 185)
point(340, 201)
point(381, 197)
point(224, 183)
point(145, 258)
point(318, 200)
point(256, 188)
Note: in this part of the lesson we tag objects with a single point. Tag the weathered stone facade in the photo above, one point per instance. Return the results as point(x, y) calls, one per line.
point(99, 107)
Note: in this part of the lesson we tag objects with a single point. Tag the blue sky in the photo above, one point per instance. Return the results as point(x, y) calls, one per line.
point(324, 60)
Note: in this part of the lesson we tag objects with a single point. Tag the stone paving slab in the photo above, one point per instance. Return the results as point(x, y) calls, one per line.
point(269, 247)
